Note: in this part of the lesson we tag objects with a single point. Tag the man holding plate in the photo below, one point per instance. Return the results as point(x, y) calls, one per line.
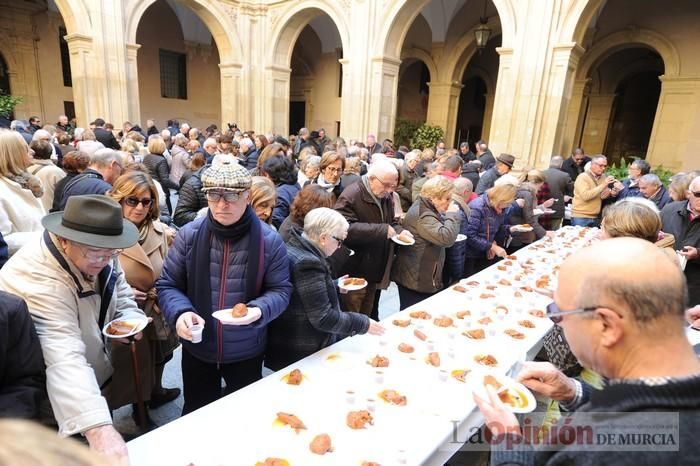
point(74, 286)
point(229, 272)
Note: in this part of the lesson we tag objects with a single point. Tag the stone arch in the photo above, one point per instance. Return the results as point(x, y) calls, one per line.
point(404, 12)
point(75, 16)
point(420, 54)
point(577, 19)
point(292, 22)
point(620, 40)
point(218, 19)
point(463, 51)
point(481, 72)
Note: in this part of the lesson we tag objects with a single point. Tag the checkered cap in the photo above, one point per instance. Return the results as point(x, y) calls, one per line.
point(226, 173)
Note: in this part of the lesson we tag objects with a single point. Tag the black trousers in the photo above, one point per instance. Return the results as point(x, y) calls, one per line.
point(202, 380)
point(408, 297)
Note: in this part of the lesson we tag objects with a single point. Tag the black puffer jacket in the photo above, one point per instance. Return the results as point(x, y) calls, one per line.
point(158, 169)
point(191, 200)
point(22, 373)
point(676, 221)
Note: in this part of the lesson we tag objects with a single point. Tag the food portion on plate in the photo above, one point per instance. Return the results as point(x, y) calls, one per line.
point(443, 321)
point(359, 419)
point(294, 377)
point(420, 335)
point(406, 348)
point(486, 360)
point(460, 374)
point(433, 359)
point(124, 328)
point(420, 315)
point(239, 310)
point(401, 323)
point(526, 323)
point(459, 288)
point(393, 397)
point(291, 420)
point(379, 361)
point(511, 393)
point(273, 462)
point(475, 334)
point(404, 239)
point(514, 334)
point(462, 314)
point(321, 444)
point(353, 284)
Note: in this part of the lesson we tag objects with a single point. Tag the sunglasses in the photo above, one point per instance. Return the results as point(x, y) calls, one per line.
point(696, 194)
point(134, 201)
point(228, 196)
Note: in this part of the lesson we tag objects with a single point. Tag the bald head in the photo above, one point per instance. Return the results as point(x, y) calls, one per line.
point(599, 275)
point(556, 161)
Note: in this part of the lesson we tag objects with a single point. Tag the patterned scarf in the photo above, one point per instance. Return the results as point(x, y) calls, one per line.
point(30, 182)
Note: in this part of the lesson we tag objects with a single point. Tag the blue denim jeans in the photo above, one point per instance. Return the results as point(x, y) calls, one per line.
point(584, 222)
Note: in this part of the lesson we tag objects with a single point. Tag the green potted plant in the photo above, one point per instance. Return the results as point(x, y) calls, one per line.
point(8, 104)
point(427, 136)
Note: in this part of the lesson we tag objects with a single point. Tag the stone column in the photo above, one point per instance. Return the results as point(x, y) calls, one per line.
point(675, 137)
point(501, 117)
point(132, 77)
point(443, 105)
point(595, 127)
point(87, 90)
point(231, 77)
point(575, 117)
point(383, 95)
point(279, 78)
point(488, 113)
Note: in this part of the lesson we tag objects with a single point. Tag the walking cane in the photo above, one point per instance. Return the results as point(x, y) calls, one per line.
point(137, 378)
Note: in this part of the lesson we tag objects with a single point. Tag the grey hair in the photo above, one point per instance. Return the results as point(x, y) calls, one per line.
point(556, 161)
point(463, 184)
point(41, 133)
point(694, 182)
point(324, 220)
point(17, 125)
point(595, 158)
point(651, 178)
point(104, 157)
point(413, 155)
point(313, 161)
point(382, 167)
point(180, 139)
point(165, 134)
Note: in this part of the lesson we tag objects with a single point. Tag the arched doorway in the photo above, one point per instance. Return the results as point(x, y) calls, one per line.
point(4, 77)
point(442, 35)
point(316, 78)
point(414, 79)
point(178, 67)
point(621, 103)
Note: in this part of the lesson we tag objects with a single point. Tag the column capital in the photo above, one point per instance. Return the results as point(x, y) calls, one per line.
point(504, 51)
point(390, 61)
point(79, 41)
point(132, 47)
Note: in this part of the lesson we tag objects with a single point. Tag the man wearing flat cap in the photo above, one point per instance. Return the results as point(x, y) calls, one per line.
point(73, 286)
point(504, 164)
point(223, 259)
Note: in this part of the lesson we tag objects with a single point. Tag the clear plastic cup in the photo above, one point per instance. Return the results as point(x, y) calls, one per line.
point(197, 330)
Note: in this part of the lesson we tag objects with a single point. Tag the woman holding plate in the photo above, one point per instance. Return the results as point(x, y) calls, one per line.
point(530, 183)
point(314, 319)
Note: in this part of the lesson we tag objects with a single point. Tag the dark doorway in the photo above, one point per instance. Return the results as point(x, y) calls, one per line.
point(297, 116)
point(4, 77)
point(470, 117)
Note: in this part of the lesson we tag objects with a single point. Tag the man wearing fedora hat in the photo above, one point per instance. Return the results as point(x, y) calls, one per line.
point(74, 286)
point(225, 258)
point(504, 164)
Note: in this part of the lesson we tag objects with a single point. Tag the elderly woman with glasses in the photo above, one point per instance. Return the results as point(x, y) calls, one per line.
point(332, 168)
point(226, 258)
point(314, 319)
point(142, 263)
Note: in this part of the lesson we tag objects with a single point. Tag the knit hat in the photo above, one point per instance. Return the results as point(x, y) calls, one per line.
point(226, 173)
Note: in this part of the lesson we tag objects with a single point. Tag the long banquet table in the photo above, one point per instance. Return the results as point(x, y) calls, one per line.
point(240, 429)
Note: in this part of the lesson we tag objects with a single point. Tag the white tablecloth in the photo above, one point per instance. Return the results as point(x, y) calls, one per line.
point(240, 429)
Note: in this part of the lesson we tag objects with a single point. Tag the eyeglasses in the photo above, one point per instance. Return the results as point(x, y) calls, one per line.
point(227, 196)
point(390, 186)
point(555, 314)
point(696, 194)
point(339, 240)
point(334, 170)
point(134, 201)
point(100, 256)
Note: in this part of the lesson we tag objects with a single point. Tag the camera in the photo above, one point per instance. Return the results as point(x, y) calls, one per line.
point(232, 126)
point(611, 185)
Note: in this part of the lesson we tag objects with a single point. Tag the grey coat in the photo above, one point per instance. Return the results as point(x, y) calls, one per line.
point(526, 215)
point(419, 267)
point(487, 180)
point(560, 185)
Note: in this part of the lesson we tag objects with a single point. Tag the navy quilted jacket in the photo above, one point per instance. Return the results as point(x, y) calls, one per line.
point(228, 259)
point(484, 226)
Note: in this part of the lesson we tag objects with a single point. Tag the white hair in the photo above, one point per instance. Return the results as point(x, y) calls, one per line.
point(40, 134)
point(413, 155)
point(507, 179)
point(695, 182)
point(104, 157)
point(642, 201)
point(382, 167)
point(78, 134)
point(165, 134)
point(324, 220)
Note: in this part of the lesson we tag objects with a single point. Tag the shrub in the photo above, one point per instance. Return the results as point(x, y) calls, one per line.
point(8, 104)
point(427, 136)
point(404, 131)
point(620, 172)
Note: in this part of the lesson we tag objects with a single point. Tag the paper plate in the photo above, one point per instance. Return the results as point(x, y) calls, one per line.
point(137, 324)
point(523, 399)
point(225, 317)
point(341, 284)
point(396, 240)
point(521, 229)
point(461, 237)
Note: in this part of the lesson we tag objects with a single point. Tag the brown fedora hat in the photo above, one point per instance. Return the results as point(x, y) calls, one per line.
point(94, 220)
point(506, 159)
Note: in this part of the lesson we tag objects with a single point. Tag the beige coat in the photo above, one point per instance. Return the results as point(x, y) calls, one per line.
point(20, 214)
point(65, 308)
point(49, 175)
point(142, 264)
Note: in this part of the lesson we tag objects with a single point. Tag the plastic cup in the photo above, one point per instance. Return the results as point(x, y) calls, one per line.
point(197, 330)
point(431, 345)
point(379, 377)
point(442, 375)
point(371, 405)
point(350, 396)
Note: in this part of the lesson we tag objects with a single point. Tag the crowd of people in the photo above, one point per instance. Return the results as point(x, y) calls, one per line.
point(98, 224)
